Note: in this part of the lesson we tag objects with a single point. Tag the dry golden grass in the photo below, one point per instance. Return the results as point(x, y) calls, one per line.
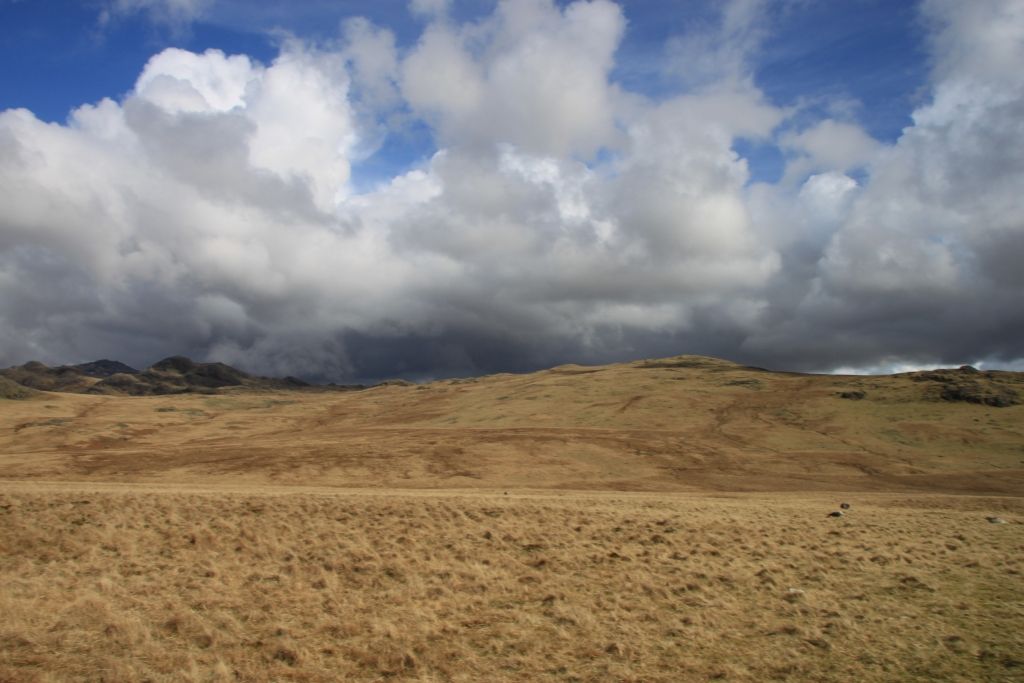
point(568, 525)
point(680, 424)
point(165, 585)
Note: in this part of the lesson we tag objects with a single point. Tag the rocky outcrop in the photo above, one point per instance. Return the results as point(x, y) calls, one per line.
point(969, 385)
point(104, 368)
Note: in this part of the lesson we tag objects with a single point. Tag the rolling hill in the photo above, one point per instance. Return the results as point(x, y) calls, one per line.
point(686, 423)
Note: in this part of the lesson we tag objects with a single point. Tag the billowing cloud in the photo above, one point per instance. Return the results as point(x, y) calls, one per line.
point(917, 267)
point(829, 145)
point(482, 84)
point(212, 210)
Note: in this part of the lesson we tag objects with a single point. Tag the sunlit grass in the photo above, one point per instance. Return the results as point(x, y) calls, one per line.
point(170, 586)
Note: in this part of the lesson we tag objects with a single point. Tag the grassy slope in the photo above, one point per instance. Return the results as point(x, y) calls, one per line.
point(683, 424)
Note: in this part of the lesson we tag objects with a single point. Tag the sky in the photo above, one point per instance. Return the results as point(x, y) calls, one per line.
point(354, 190)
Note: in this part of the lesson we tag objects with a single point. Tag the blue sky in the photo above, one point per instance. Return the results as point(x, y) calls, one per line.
point(354, 190)
point(867, 55)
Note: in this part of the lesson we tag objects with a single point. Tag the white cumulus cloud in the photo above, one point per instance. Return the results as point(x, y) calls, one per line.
point(212, 210)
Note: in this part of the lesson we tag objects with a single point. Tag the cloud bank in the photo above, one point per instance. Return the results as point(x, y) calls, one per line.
point(212, 210)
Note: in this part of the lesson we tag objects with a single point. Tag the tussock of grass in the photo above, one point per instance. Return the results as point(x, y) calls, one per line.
point(171, 586)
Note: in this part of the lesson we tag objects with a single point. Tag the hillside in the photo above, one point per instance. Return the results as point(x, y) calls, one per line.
point(174, 375)
point(12, 391)
point(36, 375)
point(680, 424)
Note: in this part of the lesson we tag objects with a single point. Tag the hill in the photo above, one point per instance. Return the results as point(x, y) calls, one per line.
point(36, 375)
point(678, 424)
point(12, 391)
point(178, 374)
point(175, 375)
point(104, 368)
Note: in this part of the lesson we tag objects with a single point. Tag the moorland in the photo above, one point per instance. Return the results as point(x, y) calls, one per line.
point(660, 520)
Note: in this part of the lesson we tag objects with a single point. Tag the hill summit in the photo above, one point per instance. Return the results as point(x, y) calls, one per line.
point(104, 368)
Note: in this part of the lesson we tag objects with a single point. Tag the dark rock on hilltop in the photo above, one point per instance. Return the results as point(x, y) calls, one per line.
point(975, 393)
point(178, 370)
point(179, 364)
point(104, 368)
point(970, 385)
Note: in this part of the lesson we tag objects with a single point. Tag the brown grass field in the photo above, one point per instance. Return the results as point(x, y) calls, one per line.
point(652, 521)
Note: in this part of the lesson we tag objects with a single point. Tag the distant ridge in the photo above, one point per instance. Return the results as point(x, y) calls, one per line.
point(180, 375)
point(36, 375)
point(173, 375)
